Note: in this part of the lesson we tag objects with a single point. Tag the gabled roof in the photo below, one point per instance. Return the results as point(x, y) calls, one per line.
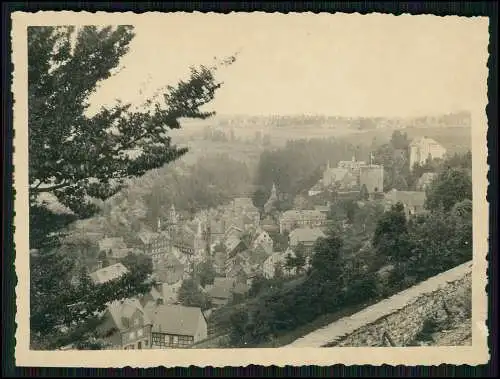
point(121, 309)
point(409, 198)
point(174, 319)
point(231, 243)
point(108, 273)
point(338, 173)
point(423, 140)
point(147, 237)
point(306, 234)
point(294, 214)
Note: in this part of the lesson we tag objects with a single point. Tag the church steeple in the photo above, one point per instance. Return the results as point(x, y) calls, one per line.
point(273, 191)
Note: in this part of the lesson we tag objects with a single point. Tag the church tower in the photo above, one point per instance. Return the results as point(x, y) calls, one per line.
point(172, 219)
point(272, 199)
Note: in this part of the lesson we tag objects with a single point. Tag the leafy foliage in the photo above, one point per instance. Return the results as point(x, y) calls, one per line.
point(78, 157)
point(191, 295)
point(452, 186)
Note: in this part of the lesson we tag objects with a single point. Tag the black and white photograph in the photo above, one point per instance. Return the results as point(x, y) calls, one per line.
point(248, 181)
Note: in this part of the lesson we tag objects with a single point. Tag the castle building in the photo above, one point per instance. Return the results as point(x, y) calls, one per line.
point(372, 176)
point(423, 148)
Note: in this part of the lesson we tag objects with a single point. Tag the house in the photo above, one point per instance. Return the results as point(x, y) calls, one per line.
point(425, 180)
point(332, 176)
point(413, 201)
point(317, 188)
point(126, 326)
point(221, 291)
point(108, 273)
point(169, 269)
point(263, 239)
point(114, 247)
point(234, 245)
point(274, 262)
point(292, 219)
point(216, 230)
point(233, 231)
point(306, 237)
point(322, 208)
point(154, 243)
point(423, 148)
point(185, 240)
point(162, 294)
point(269, 225)
point(175, 326)
point(352, 165)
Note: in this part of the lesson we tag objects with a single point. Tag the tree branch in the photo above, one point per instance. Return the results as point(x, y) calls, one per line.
point(36, 189)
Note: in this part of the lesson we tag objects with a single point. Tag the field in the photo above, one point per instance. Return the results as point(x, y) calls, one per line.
point(454, 139)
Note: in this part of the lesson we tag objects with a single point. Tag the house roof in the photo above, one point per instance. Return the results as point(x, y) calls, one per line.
point(125, 309)
point(322, 208)
point(108, 273)
point(337, 172)
point(243, 202)
point(224, 282)
point(174, 319)
point(231, 243)
point(241, 288)
point(219, 292)
point(147, 236)
point(423, 140)
point(409, 198)
point(317, 187)
point(306, 234)
point(112, 243)
point(294, 214)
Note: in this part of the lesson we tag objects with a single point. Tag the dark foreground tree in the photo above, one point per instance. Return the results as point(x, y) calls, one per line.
point(78, 156)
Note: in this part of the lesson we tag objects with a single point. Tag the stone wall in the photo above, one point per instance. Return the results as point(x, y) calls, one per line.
point(397, 320)
point(401, 327)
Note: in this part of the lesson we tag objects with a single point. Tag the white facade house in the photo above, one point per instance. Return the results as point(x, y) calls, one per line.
point(423, 148)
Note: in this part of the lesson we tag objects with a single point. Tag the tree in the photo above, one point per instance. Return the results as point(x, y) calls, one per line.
point(363, 193)
point(191, 295)
point(326, 260)
point(139, 263)
point(391, 235)
point(77, 156)
point(452, 185)
point(205, 272)
point(74, 155)
point(399, 140)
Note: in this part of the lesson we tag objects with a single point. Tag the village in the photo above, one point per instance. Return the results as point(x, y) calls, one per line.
point(237, 243)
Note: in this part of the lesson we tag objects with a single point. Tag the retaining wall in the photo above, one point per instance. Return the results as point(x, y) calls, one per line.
point(397, 320)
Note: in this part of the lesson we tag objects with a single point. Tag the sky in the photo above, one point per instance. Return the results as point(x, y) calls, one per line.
point(342, 64)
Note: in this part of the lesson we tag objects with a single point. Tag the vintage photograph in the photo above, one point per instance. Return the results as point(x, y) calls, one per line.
point(250, 181)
